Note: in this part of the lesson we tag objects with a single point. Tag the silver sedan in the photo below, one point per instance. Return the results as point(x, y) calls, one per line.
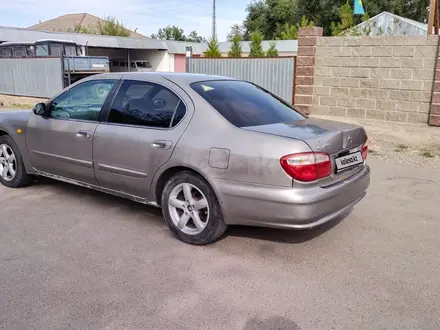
point(210, 151)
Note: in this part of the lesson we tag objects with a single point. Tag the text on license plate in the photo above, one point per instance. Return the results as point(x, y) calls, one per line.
point(349, 160)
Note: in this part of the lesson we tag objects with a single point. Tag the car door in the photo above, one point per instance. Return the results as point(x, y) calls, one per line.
point(145, 122)
point(61, 142)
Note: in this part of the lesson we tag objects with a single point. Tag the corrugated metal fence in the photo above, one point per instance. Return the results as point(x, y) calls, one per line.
point(37, 77)
point(274, 74)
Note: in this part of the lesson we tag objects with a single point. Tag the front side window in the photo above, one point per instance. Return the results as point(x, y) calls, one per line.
point(244, 104)
point(42, 50)
point(82, 102)
point(146, 104)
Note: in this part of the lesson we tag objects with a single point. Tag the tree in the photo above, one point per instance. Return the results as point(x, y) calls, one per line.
point(234, 30)
point(170, 33)
point(194, 37)
point(267, 16)
point(236, 50)
point(78, 28)
point(271, 17)
point(213, 48)
point(346, 20)
point(256, 44)
point(272, 51)
point(109, 26)
point(112, 27)
point(176, 33)
point(289, 32)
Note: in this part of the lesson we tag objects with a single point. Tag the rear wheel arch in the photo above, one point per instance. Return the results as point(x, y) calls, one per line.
point(168, 174)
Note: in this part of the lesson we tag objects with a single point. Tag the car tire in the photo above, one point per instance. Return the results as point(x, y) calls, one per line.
point(205, 224)
point(20, 177)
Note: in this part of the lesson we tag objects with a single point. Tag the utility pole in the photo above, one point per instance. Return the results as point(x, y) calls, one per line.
point(214, 24)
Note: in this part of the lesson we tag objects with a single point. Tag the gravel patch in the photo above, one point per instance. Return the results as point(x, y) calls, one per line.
point(421, 155)
point(416, 144)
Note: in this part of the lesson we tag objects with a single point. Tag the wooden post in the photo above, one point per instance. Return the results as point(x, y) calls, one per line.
point(436, 18)
point(433, 17)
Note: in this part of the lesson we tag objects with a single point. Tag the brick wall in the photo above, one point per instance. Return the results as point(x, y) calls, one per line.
point(385, 78)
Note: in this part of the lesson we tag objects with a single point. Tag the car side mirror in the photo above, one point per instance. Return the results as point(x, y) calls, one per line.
point(39, 109)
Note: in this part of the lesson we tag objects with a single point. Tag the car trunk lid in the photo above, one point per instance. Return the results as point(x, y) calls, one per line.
point(335, 138)
point(321, 135)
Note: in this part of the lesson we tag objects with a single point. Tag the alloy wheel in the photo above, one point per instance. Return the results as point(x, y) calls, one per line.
point(189, 208)
point(8, 163)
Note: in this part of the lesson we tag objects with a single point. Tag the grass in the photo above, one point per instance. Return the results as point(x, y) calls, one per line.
point(426, 153)
point(373, 152)
point(401, 147)
point(18, 106)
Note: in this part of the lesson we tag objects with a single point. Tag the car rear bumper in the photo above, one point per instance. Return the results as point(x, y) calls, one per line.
point(295, 207)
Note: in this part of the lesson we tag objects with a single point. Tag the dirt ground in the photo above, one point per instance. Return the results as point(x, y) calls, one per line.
point(72, 258)
point(417, 144)
point(19, 102)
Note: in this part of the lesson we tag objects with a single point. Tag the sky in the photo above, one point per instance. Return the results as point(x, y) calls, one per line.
point(145, 15)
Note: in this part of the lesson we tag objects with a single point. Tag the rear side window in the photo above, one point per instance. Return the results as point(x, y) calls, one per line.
point(20, 51)
point(244, 104)
point(6, 51)
point(148, 104)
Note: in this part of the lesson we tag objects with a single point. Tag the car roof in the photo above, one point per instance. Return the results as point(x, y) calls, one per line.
point(185, 78)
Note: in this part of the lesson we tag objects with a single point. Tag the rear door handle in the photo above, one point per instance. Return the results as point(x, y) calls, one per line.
point(162, 144)
point(83, 134)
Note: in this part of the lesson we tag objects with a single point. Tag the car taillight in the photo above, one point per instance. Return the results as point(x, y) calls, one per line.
point(365, 150)
point(307, 166)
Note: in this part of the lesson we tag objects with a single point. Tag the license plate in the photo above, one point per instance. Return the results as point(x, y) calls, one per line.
point(349, 160)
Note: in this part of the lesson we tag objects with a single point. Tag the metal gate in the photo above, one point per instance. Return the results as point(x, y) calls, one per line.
point(276, 74)
point(37, 77)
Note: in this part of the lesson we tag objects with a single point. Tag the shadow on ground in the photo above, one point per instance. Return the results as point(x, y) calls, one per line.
point(103, 199)
point(259, 233)
point(284, 235)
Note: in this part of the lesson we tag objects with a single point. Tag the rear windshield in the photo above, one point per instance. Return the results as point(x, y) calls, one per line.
point(244, 104)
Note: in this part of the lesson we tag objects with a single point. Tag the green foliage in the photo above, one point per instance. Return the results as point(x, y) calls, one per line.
point(170, 33)
point(306, 22)
point(78, 28)
point(213, 48)
point(112, 27)
point(256, 44)
point(267, 16)
point(236, 50)
point(173, 32)
point(290, 32)
point(272, 51)
point(271, 17)
point(234, 30)
point(346, 20)
point(195, 37)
